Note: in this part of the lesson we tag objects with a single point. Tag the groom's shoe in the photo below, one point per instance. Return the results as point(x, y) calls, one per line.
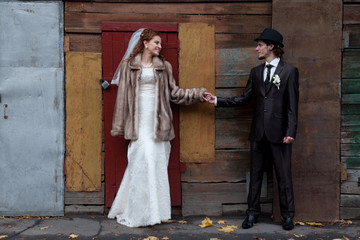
point(288, 224)
point(249, 222)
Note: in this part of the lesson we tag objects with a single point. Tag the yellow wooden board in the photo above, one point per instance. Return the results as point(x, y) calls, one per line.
point(83, 121)
point(197, 69)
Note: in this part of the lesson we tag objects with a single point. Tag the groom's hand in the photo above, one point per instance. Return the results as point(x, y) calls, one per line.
point(288, 140)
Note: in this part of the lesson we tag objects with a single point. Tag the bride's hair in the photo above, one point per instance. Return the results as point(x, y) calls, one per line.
point(146, 35)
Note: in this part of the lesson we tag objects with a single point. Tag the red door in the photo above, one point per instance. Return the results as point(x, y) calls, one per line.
point(115, 38)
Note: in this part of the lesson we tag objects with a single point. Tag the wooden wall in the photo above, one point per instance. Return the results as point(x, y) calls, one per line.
point(350, 114)
point(217, 187)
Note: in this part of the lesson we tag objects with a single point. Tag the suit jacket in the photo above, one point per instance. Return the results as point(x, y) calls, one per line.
point(275, 111)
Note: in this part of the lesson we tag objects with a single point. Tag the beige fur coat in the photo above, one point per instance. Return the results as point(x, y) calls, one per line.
point(125, 119)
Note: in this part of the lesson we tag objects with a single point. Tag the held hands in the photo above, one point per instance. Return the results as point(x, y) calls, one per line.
point(288, 140)
point(209, 97)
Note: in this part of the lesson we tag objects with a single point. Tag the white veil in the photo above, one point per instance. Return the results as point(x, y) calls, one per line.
point(132, 43)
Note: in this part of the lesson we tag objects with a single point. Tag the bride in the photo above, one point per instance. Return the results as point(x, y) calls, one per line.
point(143, 115)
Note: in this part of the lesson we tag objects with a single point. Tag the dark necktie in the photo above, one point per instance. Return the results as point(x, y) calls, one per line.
point(267, 80)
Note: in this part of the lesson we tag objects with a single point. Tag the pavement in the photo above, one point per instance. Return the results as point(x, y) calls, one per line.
point(179, 228)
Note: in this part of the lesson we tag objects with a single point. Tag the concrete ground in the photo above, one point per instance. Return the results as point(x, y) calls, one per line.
point(99, 227)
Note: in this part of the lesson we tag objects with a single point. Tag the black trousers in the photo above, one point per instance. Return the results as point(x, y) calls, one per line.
point(265, 153)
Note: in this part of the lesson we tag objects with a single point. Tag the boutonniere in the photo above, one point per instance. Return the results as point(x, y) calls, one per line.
point(276, 81)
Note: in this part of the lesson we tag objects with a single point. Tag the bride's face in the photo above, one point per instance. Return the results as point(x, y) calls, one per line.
point(154, 46)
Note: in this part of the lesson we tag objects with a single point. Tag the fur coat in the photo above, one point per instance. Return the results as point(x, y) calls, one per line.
point(125, 119)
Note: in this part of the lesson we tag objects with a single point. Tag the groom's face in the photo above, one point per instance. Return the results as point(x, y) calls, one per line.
point(263, 49)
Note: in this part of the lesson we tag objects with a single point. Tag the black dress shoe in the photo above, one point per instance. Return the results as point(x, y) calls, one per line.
point(249, 222)
point(288, 224)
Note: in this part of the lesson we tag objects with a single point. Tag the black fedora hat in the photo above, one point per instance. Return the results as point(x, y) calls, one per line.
point(272, 36)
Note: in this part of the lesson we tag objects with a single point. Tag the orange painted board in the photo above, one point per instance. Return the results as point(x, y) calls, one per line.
point(83, 121)
point(197, 69)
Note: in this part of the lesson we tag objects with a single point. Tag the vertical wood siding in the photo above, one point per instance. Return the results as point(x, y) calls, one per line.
point(350, 112)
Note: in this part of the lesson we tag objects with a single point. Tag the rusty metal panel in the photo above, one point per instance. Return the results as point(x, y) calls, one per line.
point(316, 154)
point(32, 108)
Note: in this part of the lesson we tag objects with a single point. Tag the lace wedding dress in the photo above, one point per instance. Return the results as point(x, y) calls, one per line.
point(143, 198)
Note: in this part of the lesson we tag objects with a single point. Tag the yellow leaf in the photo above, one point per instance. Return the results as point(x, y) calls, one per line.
point(214, 239)
point(298, 235)
point(205, 223)
point(73, 236)
point(165, 238)
point(182, 221)
point(151, 238)
point(3, 236)
point(221, 222)
point(300, 223)
point(43, 228)
point(315, 224)
point(227, 229)
point(345, 238)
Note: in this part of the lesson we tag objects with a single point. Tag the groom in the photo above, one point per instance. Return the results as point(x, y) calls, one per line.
point(275, 87)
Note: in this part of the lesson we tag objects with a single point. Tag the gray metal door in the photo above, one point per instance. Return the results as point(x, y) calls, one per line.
point(31, 108)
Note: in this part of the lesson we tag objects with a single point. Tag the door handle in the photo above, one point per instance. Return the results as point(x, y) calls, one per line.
point(5, 107)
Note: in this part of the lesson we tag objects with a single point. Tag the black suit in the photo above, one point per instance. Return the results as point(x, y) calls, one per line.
point(275, 116)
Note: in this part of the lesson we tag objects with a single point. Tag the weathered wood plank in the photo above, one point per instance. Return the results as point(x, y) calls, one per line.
point(232, 133)
point(91, 22)
point(85, 198)
point(166, 1)
point(349, 213)
point(207, 198)
point(351, 98)
point(233, 66)
point(352, 36)
point(81, 209)
point(84, 42)
point(350, 86)
point(350, 109)
point(350, 150)
point(351, 63)
point(350, 200)
point(352, 162)
point(229, 166)
point(83, 122)
point(351, 14)
point(197, 122)
point(350, 137)
point(171, 8)
point(240, 209)
point(350, 120)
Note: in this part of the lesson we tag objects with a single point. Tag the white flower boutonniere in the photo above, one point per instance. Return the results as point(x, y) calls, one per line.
point(276, 81)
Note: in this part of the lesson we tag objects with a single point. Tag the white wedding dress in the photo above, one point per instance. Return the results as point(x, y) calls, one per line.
point(143, 198)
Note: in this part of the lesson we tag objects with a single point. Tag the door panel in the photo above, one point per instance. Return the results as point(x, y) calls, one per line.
point(115, 38)
point(32, 124)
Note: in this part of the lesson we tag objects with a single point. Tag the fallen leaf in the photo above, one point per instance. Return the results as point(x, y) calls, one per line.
point(205, 223)
point(165, 238)
point(182, 221)
point(227, 229)
point(151, 238)
point(3, 236)
point(300, 223)
point(169, 221)
point(43, 228)
point(214, 239)
point(73, 236)
point(221, 222)
point(345, 238)
point(257, 238)
point(314, 224)
point(298, 235)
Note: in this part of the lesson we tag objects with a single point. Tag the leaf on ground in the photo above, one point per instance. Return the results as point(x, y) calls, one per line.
point(182, 221)
point(43, 228)
point(205, 223)
point(214, 239)
point(344, 238)
point(73, 236)
point(314, 224)
point(257, 238)
point(227, 229)
point(298, 236)
point(300, 223)
point(3, 236)
point(169, 221)
point(165, 238)
point(221, 222)
point(151, 238)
